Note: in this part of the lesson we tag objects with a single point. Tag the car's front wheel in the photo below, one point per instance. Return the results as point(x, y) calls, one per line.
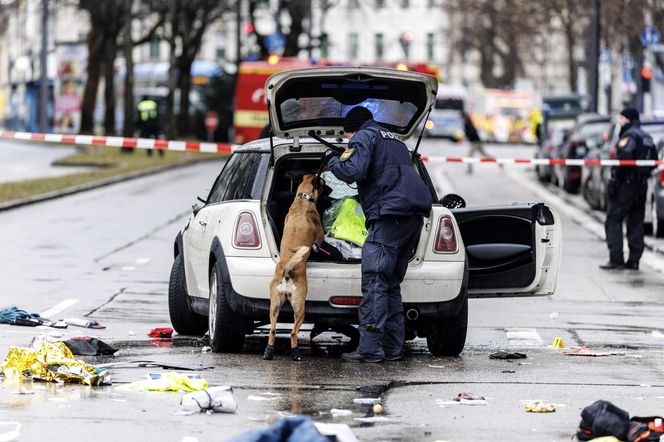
point(226, 328)
point(447, 336)
point(184, 321)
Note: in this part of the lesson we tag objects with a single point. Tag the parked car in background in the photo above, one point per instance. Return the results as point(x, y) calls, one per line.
point(595, 179)
point(556, 134)
point(655, 196)
point(561, 108)
point(588, 127)
point(446, 118)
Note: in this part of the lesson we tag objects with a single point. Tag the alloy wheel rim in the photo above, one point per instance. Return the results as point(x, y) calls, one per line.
point(212, 318)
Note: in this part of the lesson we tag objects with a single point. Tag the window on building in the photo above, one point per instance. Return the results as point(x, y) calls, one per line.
point(155, 46)
point(324, 46)
point(352, 46)
point(379, 46)
point(405, 4)
point(380, 4)
point(430, 46)
point(221, 53)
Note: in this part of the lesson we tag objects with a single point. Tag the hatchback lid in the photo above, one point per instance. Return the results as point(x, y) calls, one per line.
point(318, 99)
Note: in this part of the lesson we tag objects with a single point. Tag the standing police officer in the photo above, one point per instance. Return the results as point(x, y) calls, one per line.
point(627, 193)
point(394, 198)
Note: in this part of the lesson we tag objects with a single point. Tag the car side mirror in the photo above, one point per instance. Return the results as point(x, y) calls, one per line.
point(452, 201)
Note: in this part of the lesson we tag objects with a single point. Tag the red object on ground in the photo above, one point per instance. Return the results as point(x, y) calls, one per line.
point(161, 332)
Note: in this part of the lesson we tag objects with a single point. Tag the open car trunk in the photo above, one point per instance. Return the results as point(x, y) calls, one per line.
point(287, 176)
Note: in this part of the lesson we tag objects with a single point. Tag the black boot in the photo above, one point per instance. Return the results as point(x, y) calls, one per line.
point(269, 353)
point(295, 354)
point(612, 266)
point(632, 265)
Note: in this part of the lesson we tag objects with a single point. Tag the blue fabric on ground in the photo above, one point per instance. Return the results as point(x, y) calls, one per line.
point(8, 315)
point(288, 429)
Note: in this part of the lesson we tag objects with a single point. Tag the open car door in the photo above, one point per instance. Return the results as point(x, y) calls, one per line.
point(511, 250)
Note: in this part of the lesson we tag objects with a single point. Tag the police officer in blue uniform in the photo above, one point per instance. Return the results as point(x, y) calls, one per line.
point(394, 198)
point(627, 193)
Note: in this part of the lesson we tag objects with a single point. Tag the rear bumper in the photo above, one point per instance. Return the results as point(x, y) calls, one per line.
point(434, 289)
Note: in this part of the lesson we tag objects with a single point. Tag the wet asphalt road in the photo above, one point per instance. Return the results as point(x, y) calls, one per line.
point(106, 254)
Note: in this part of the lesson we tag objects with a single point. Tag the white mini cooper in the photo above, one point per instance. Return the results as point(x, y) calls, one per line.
point(226, 253)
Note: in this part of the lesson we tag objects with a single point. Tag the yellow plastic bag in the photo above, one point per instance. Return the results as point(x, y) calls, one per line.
point(51, 362)
point(345, 220)
point(168, 382)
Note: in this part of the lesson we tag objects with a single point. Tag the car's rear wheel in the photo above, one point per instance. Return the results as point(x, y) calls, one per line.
point(226, 328)
point(184, 321)
point(447, 336)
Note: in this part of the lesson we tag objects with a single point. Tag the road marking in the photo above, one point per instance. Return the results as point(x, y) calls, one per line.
point(523, 337)
point(58, 308)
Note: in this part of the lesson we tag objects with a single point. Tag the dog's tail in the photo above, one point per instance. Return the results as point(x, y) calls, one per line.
point(301, 254)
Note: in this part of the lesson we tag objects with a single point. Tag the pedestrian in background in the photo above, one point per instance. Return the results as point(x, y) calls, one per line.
point(627, 193)
point(473, 138)
point(394, 198)
point(148, 120)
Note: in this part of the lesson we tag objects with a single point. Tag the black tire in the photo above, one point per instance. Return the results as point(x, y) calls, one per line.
point(184, 321)
point(226, 328)
point(447, 336)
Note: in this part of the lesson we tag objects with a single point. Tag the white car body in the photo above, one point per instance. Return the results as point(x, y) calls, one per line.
point(525, 247)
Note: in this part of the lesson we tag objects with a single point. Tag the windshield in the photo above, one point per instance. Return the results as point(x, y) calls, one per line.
point(591, 129)
point(386, 111)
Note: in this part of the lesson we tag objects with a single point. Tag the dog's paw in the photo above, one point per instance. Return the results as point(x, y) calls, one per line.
point(269, 353)
point(295, 354)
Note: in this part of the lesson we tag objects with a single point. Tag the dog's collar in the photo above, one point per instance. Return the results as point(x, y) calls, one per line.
point(307, 196)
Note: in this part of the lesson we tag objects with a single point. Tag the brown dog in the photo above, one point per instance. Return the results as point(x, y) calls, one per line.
point(302, 228)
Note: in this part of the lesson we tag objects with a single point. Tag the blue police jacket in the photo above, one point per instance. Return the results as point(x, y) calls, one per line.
point(634, 144)
point(387, 181)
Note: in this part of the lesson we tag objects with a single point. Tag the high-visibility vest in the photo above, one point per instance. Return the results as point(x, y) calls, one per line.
point(147, 110)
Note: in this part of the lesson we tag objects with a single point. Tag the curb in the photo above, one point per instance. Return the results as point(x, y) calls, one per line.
point(14, 204)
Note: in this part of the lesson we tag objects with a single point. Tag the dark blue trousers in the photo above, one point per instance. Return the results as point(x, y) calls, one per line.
point(385, 256)
point(626, 205)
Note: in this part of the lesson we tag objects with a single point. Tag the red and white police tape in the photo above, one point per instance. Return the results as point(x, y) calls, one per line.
point(196, 146)
point(134, 143)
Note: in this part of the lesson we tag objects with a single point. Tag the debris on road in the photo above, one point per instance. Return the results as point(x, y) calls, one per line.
point(602, 418)
point(89, 346)
point(168, 382)
point(9, 431)
point(338, 412)
point(206, 349)
point(469, 398)
point(161, 332)
point(152, 364)
point(585, 351)
point(216, 399)
point(367, 400)
point(10, 315)
point(378, 409)
point(507, 355)
point(85, 323)
point(296, 428)
point(51, 362)
point(540, 407)
point(372, 419)
point(553, 316)
point(253, 397)
point(558, 343)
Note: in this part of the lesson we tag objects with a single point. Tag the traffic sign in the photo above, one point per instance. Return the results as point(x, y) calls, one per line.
point(649, 36)
point(211, 121)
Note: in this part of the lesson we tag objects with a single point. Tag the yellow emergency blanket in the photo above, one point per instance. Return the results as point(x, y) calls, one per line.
point(51, 362)
point(345, 219)
point(168, 382)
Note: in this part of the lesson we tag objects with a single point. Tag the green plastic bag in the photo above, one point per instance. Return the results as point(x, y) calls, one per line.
point(345, 220)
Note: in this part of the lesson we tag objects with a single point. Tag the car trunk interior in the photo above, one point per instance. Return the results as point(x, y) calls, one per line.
point(288, 173)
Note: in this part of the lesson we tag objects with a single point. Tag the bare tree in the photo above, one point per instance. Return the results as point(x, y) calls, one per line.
point(290, 17)
point(187, 22)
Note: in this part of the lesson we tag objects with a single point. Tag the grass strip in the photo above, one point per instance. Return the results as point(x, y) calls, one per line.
point(109, 162)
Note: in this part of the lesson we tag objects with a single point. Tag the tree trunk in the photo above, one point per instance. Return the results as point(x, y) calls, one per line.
point(571, 63)
point(170, 127)
point(128, 49)
point(109, 87)
point(184, 85)
point(96, 44)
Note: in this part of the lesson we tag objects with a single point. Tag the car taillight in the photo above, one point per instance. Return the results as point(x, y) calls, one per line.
point(661, 175)
point(445, 237)
point(246, 234)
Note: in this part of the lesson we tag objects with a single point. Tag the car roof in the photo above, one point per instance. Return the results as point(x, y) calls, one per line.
point(262, 145)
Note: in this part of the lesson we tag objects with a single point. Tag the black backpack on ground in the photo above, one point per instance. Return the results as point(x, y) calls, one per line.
point(602, 418)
